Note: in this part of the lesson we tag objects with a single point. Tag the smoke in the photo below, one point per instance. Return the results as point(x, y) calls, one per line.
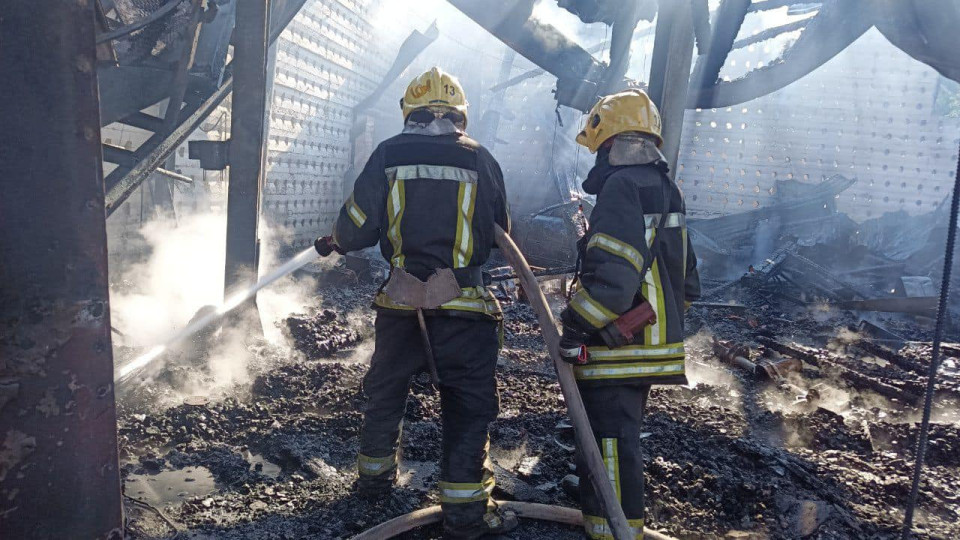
point(183, 272)
point(180, 282)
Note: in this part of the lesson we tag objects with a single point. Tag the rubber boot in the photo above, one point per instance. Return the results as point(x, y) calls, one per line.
point(494, 522)
point(376, 487)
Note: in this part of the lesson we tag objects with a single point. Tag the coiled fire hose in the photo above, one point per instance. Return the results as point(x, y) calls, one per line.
point(586, 442)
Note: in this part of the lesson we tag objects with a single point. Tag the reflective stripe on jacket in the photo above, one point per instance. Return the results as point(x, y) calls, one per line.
point(431, 201)
point(623, 225)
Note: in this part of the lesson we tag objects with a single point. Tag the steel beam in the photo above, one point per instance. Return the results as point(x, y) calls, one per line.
point(247, 144)
point(670, 72)
point(59, 473)
point(123, 182)
point(579, 74)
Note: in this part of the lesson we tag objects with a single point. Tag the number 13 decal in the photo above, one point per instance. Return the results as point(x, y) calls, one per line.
point(451, 90)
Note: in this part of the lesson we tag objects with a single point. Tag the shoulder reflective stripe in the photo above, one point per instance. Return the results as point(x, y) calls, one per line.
point(463, 245)
point(597, 527)
point(670, 350)
point(432, 172)
point(611, 460)
point(616, 247)
point(459, 493)
point(591, 310)
point(395, 203)
point(674, 220)
point(624, 371)
point(355, 213)
point(373, 466)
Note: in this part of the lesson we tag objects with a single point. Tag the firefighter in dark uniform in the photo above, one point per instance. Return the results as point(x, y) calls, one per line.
point(639, 210)
point(431, 197)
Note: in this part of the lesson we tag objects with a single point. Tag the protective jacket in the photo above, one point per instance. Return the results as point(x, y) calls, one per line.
point(630, 188)
point(430, 196)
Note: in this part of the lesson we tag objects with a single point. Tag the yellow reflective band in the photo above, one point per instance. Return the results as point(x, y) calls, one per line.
point(395, 204)
point(475, 299)
point(355, 213)
point(373, 466)
point(674, 220)
point(591, 310)
point(618, 248)
point(658, 330)
point(612, 463)
point(630, 352)
point(463, 245)
point(648, 289)
point(631, 370)
point(432, 172)
point(459, 493)
point(597, 527)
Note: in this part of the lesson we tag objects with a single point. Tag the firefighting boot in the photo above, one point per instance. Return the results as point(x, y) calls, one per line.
point(376, 486)
point(494, 522)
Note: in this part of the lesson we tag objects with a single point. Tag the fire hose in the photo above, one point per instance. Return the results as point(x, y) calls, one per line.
point(433, 514)
point(586, 442)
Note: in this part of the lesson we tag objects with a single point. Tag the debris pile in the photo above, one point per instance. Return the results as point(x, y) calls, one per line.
point(322, 334)
point(815, 440)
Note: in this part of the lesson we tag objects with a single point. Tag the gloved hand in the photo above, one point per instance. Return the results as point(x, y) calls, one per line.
point(572, 348)
point(325, 246)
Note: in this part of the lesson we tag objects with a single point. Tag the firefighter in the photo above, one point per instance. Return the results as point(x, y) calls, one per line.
point(431, 196)
point(636, 250)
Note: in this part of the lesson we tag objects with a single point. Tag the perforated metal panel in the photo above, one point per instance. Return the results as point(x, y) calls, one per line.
point(327, 61)
point(867, 114)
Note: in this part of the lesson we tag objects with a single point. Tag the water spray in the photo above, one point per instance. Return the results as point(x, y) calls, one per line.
point(127, 372)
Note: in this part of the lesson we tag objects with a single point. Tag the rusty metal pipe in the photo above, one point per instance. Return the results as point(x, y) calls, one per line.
point(578, 415)
point(433, 514)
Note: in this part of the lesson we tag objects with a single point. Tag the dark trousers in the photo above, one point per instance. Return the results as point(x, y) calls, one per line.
point(465, 351)
point(616, 416)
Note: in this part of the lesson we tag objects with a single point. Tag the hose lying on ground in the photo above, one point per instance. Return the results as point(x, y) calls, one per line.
point(433, 514)
point(586, 442)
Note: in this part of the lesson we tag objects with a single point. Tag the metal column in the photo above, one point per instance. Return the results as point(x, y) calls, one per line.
point(58, 434)
point(247, 146)
point(670, 72)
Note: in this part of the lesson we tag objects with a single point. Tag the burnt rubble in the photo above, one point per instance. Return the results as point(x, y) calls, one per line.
point(818, 446)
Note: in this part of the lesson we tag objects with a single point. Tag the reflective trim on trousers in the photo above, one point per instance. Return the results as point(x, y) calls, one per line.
point(375, 466)
point(460, 493)
point(597, 527)
point(611, 460)
point(616, 247)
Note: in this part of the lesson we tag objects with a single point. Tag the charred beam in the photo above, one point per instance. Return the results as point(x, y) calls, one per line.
point(670, 72)
point(59, 473)
point(771, 33)
point(727, 25)
point(578, 72)
point(248, 126)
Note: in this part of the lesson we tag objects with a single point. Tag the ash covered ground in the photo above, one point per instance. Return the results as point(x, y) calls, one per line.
point(730, 456)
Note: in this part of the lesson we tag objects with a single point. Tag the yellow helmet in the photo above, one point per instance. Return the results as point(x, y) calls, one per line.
point(435, 88)
point(629, 110)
